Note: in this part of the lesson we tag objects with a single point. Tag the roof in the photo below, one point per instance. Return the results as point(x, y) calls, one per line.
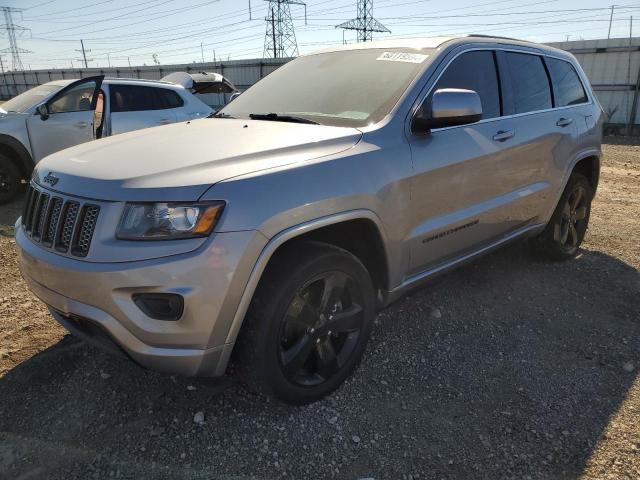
point(434, 42)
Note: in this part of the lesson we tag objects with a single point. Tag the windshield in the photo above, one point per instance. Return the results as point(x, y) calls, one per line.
point(347, 88)
point(29, 98)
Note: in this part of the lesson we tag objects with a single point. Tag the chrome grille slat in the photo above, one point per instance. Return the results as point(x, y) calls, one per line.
point(41, 216)
point(33, 218)
point(65, 224)
point(89, 218)
point(49, 235)
point(27, 206)
point(68, 223)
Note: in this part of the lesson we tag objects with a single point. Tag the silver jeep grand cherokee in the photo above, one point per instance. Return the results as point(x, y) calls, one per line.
point(271, 233)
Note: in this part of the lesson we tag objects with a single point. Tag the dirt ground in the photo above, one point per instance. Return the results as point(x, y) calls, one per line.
point(510, 367)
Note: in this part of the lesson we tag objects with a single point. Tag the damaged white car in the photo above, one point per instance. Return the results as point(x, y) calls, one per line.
point(63, 113)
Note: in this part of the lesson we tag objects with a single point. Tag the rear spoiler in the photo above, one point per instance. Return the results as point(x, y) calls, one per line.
point(202, 82)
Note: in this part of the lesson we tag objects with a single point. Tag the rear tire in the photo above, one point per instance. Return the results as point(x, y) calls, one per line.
point(563, 235)
point(308, 324)
point(10, 180)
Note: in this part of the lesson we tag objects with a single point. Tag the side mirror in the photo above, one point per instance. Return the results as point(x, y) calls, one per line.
point(43, 111)
point(449, 107)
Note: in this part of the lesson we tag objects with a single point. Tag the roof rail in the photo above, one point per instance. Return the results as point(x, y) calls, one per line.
point(495, 36)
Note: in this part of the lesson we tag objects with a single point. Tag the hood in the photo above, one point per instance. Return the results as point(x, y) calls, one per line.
point(179, 162)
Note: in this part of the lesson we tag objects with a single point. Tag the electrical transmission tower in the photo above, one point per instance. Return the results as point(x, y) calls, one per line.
point(280, 39)
point(365, 24)
point(11, 29)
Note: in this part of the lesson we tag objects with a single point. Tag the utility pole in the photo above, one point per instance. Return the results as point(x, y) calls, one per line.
point(364, 23)
point(250, 10)
point(610, 21)
point(129, 62)
point(109, 60)
point(84, 55)
point(280, 38)
point(11, 29)
point(214, 55)
point(202, 52)
point(1, 65)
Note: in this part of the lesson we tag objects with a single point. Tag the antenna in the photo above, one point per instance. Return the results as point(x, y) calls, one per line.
point(11, 29)
point(280, 38)
point(364, 24)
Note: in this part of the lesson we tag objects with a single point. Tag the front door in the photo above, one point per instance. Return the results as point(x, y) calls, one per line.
point(468, 179)
point(69, 121)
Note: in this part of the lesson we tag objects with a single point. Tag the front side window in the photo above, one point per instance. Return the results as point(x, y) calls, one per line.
point(345, 88)
point(567, 86)
point(529, 81)
point(136, 98)
point(475, 71)
point(76, 99)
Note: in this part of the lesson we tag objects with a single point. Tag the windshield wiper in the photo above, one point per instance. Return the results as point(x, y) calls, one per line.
point(219, 115)
point(274, 117)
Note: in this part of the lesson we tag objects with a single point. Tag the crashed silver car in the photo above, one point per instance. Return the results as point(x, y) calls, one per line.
point(64, 113)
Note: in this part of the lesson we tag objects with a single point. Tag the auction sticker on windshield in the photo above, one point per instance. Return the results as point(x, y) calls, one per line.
point(402, 57)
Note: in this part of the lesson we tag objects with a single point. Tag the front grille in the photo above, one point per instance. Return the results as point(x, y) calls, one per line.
point(64, 224)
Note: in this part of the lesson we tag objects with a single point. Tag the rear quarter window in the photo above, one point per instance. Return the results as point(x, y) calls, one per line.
point(529, 82)
point(136, 98)
point(567, 87)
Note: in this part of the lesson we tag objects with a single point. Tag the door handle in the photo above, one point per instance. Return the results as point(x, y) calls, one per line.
point(504, 135)
point(81, 125)
point(564, 122)
point(164, 121)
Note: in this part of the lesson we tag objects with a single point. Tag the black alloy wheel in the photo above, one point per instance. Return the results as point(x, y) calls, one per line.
point(320, 329)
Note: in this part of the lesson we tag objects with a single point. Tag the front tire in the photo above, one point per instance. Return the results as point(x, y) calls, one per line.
point(562, 237)
point(308, 324)
point(10, 180)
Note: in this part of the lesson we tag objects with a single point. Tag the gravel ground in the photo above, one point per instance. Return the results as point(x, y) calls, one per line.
point(507, 368)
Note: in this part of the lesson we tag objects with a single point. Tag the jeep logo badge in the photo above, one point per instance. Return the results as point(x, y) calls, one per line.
point(51, 179)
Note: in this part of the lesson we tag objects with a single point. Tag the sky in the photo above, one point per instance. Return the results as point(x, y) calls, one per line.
point(123, 32)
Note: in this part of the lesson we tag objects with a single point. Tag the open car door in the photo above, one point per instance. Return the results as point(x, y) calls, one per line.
point(202, 82)
point(66, 119)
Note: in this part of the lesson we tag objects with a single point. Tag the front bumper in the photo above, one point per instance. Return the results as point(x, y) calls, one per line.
point(211, 280)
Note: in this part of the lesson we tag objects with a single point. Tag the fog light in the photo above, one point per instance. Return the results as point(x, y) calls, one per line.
point(160, 306)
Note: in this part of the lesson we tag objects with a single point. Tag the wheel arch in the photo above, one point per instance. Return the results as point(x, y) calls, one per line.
point(589, 166)
point(13, 149)
point(331, 230)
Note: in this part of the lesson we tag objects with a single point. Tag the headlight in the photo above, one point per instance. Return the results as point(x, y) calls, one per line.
point(168, 221)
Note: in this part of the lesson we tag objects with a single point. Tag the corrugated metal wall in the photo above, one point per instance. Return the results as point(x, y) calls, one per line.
point(613, 68)
point(243, 73)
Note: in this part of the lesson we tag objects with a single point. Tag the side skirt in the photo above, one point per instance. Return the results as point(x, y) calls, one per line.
point(420, 279)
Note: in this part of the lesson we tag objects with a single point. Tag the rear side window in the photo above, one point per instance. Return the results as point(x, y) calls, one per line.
point(169, 98)
point(567, 87)
point(135, 98)
point(475, 71)
point(529, 82)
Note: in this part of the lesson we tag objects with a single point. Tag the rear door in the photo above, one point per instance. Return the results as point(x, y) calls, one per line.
point(546, 134)
point(141, 106)
point(70, 119)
